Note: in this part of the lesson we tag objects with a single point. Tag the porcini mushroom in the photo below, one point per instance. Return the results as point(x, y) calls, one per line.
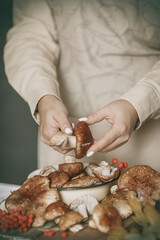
point(34, 196)
point(55, 210)
point(82, 182)
point(105, 217)
point(72, 169)
point(119, 199)
point(105, 172)
point(58, 179)
point(81, 142)
point(144, 180)
point(69, 219)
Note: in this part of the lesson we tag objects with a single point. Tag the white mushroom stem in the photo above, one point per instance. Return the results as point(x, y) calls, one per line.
point(69, 159)
point(63, 139)
point(76, 228)
point(105, 169)
point(57, 220)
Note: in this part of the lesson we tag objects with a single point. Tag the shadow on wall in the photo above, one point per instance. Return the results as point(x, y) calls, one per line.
point(18, 131)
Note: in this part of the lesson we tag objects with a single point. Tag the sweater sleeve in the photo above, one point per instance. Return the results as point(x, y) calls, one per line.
point(31, 52)
point(145, 96)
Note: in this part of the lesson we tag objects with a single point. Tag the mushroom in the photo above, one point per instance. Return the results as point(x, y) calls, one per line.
point(47, 170)
point(69, 159)
point(88, 170)
point(119, 199)
point(69, 220)
point(58, 179)
point(55, 210)
point(144, 180)
point(81, 142)
point(105, 217)
point(72, 169)
point(84, 205)
point(82, 182)
point(105, 172)
point(35, 196)
point(80, 175)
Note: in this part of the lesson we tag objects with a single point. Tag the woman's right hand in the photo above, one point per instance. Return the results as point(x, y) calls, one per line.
point(53, 117)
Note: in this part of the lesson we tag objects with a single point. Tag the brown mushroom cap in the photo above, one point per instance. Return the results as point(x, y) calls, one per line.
point(83, 135)
point(72, 169)
point(106, 217)
point(119, 200)
point(69, 219)
point(35, 196)
point(58, 178)
point(82, 182)
point(55, 210)
point(144, 180)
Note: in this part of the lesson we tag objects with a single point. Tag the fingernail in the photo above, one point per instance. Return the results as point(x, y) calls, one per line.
point(68, 130)
point(90, 154)
point(83, 119)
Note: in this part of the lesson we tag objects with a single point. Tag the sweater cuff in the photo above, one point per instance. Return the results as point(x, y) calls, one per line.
point(145, 101)
point(36, 96)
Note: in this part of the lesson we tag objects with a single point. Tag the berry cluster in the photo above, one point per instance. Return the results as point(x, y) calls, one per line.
point(15, 219)
point(52, 232)
point(120, 165)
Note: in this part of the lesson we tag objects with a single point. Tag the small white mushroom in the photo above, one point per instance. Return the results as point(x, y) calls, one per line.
point(114, 189)
point(47, 170)
point(92, 224)
point(76, 228)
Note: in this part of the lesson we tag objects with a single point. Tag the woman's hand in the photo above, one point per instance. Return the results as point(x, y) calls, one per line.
point(53, 117)
point(123, 117)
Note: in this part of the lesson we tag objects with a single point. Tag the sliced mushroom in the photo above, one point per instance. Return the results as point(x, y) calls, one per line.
point(144, 180)
point(84, 205)
point(55, 210)
point(88, 170)
point(58, 178)
point(76, 228)
point(69, 219)
point(105, 172)
point(106, 217)
point(119, 200)
point(72, 169)
point(82, 182)
point(81, 142)
point(80, 175)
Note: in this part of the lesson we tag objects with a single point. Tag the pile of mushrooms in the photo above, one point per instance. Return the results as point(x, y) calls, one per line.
point(40, 196)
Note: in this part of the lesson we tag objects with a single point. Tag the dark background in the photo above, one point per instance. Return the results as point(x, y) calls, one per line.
point(18, 131)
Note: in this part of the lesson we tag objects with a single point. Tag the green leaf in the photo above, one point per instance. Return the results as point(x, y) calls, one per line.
point(117, 233)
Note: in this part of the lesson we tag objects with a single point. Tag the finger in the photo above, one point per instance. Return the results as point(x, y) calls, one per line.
point(106, 140)
point(64, 124)
point(117, 143)
point(96, 117)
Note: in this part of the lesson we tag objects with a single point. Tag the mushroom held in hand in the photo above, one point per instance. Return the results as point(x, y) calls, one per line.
point(144, 180)
point(81, 142)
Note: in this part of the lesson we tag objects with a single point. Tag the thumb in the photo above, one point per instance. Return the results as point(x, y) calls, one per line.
point(96, 117)
point(64, 124)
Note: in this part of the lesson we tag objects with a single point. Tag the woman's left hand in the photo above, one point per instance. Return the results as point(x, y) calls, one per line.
point(123, 118)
